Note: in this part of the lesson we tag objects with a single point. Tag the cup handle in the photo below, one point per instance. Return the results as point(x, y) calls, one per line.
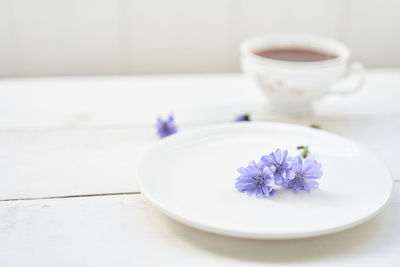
point(355, 76)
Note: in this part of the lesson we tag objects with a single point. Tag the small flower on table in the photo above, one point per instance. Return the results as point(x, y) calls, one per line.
point(166, 127)
point(243, 117)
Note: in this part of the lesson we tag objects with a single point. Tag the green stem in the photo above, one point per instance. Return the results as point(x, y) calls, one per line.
point(305, 151)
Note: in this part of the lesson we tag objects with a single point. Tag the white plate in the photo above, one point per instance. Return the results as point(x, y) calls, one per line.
point(190, 176)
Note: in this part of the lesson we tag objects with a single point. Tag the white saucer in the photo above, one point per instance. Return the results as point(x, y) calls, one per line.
point(190, 176)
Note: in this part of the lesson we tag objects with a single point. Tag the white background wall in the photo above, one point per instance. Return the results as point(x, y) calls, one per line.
point(95, 37)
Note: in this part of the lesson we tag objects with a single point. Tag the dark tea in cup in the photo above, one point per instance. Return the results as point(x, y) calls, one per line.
point(295, 54)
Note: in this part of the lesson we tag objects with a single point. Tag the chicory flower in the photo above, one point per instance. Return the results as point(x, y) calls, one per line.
point(166, 127)
point(279, 163)
point(255, 179)
point(243, 117)
point(303, 175)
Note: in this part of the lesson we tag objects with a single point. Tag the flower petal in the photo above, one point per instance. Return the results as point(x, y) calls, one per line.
point(268, 171)
point(284, 157)
point(267, 160)
point(243, 170)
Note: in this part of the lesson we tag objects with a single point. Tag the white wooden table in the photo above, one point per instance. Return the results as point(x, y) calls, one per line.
point(68, 149)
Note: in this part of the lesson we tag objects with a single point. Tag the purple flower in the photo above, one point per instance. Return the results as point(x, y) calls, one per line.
point(166, 127)
point(243, 117)
point(255, 180)
point(303, 174)
point(279, 164)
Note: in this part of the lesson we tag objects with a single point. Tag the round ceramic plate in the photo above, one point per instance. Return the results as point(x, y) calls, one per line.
point(190, 176)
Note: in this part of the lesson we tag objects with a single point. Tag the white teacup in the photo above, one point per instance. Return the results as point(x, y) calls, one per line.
point(292, 87)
